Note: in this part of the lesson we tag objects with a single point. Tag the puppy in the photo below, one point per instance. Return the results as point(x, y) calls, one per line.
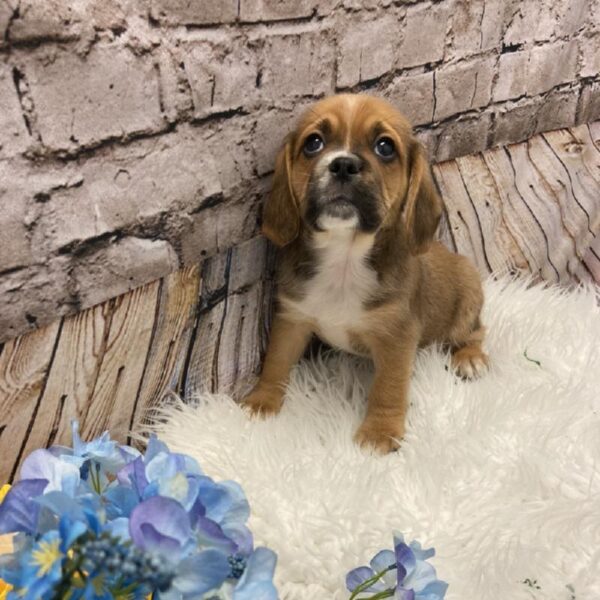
point(354, 208)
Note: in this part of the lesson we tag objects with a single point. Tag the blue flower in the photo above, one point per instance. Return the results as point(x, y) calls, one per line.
point(196, 575)
point(129, 524)
point(38, 567)
point(102, 450)
point(60, 475)
point(403, 573)
point(162, 526)
point(257, 581)
point(17, 512)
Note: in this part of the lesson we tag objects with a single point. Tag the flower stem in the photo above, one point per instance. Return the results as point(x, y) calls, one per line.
point(367, 583)
point(385, 594)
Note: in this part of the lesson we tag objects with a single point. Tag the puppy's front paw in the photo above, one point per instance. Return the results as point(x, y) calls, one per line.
point(382, 438)
point(263, 403)
point(470, 362)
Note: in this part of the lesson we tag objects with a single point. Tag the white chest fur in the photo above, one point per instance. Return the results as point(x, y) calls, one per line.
point(335, 296)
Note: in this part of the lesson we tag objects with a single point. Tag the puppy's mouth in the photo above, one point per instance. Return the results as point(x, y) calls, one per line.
point(340, 207)
point(338, 213)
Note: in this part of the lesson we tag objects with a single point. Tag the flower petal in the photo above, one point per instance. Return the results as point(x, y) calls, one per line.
point(61, 475)
point(383, 560)
point(421, 553)
point(436, 590)
point(160, 525)
point(209, 533)
point(257, 581)
point(18, 512)
point(422, 574)
point(405, 559)
point(404, 594)
point(357, 576)
point(119, 528)
point(201, 572)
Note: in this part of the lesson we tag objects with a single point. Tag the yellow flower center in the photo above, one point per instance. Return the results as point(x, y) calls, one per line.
point(45, 556)
point(4, 589)
point(3, 491)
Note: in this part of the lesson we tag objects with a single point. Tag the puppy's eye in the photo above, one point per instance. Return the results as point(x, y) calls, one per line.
point(313, 144)
point(385, 148)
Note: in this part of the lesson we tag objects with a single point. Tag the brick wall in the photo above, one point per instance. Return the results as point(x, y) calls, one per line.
point(137, 136)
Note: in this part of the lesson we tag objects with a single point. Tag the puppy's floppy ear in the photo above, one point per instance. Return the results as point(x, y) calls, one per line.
point(281, 213)
point(422, 206)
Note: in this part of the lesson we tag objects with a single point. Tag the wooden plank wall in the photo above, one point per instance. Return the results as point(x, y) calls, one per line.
point(533, 207)
point(202, 328)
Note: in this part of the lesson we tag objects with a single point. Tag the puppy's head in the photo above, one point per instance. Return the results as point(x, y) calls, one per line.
point(352, 163)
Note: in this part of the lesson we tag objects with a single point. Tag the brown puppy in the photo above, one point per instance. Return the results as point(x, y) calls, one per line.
point(355, 209)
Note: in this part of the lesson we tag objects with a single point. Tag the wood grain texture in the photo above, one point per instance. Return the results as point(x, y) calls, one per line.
point(111, 403)
point(97, 370)
point(24, 366)
point(173, 326)
point(232, 326)
point(532, 207)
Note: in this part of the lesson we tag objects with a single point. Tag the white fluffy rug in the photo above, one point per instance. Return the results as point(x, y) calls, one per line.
point(501, 475)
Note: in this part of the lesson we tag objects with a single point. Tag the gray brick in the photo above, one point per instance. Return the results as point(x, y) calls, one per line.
point(590, 49)
point(230, 147)
point(533, 21)
point(589, 103)
point(367, 49)
point(174, 84)
point(297, 62)
point(15, 250)
point(271, 129)
point(109, 14)
point(198, 12)
point(34, 296)
point(368, 4)
point(463, 86)
point(514, 123)
point(275, 10)
point(477, 26)
point(121, 266)
point(7, 9)
point(551, 65)
point(414, 49)
point(14, 137)
point(429, 139)
point(571, 15)
point(222, 75)
point(413, 95)
point(557, 110)
point(110, 93)
point(512, 76)
point(464, 136)
point(593, 24)
point(50, 19)
point(141, 184)
point(218, 228)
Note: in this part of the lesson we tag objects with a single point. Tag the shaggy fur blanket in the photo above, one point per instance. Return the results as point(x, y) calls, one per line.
point(500, 475)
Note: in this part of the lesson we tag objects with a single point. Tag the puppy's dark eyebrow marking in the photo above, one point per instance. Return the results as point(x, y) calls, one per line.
point(324, 125)
point(380, 127)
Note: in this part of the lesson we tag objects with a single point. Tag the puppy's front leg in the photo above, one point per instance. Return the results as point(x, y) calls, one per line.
point(383, 426)
point(286, 345)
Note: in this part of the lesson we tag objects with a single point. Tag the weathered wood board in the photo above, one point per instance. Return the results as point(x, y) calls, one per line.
point(531, 207)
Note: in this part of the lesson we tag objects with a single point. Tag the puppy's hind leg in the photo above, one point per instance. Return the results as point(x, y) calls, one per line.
point(468, 358)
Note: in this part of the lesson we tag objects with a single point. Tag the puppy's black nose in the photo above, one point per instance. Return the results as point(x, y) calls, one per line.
point(345, 167)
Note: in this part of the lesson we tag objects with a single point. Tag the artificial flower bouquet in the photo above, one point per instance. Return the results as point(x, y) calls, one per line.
point(101, 520)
